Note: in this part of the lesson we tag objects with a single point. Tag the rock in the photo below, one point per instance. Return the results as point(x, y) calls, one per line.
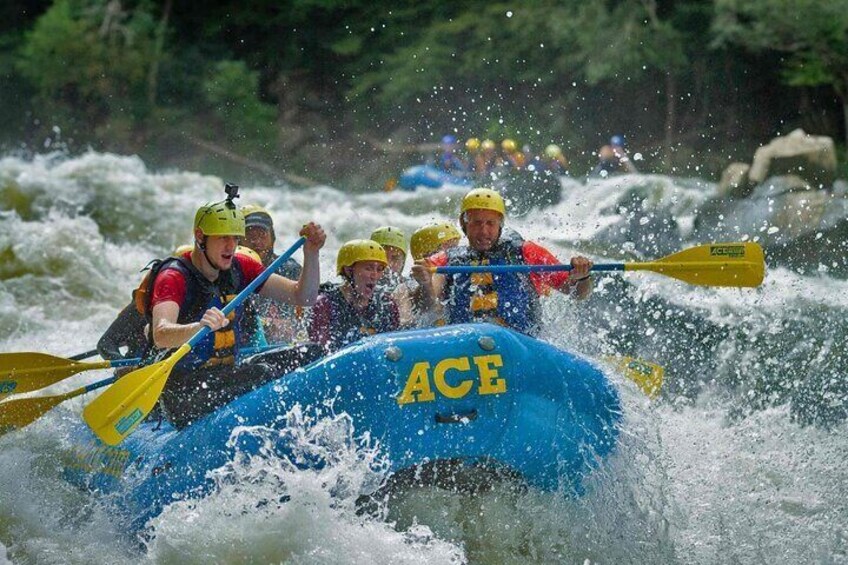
point(774, 186)
point(734, 181)
point(813, 158)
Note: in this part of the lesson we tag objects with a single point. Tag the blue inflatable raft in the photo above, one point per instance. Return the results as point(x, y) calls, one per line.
point(429, 176)
point(477, 394)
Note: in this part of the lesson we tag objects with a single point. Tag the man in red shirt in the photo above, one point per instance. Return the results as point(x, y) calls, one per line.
point(510, 299)
point(189, 292)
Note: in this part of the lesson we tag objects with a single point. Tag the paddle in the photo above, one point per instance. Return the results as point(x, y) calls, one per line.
point(81, 356)
point(15, 413)
point(713, 264)
point(113, 415)
point(647, 376)
point(25, 372)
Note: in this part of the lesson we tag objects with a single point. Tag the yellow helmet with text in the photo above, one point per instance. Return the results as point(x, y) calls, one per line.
point(483, 199)
point(427, 239)
point(357, 250)
point(220, 218)
point(391, 236)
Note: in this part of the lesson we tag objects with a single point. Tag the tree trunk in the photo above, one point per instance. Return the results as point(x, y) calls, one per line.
point(153, 76)
point(670, 113)
point(845, 119)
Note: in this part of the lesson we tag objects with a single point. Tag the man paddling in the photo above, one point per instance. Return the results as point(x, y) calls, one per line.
point(189, 292)
point(510, 299)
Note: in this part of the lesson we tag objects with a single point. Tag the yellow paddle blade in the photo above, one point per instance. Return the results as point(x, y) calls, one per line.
point(113, 415)
point(20, 412)
point(25, 372)
point(647, 376)
point(714, 264)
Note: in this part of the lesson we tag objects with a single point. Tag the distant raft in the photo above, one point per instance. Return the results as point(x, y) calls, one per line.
point(428, 176)
point(473, 395)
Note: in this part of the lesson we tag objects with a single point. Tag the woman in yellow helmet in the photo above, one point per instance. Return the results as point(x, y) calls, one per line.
point(355, 308)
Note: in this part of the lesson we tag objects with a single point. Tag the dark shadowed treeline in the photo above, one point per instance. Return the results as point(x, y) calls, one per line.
point(353, 88)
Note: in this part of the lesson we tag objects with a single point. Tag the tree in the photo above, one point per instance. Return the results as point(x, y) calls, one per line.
point(90, 60)
point(813, 33)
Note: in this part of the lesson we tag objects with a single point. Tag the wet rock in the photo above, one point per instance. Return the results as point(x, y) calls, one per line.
point(734, 181)
point(645, 228)
point(812, 158)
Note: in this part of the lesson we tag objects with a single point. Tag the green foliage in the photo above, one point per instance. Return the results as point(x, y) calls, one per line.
point(625, 41)
point(814, 33)
point(232, 93)
point(89, 58)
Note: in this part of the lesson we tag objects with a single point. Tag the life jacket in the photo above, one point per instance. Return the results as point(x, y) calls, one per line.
point(450, 163)
point(508, 299)
point(279, 322)
point(347, 324)
point(217, 348)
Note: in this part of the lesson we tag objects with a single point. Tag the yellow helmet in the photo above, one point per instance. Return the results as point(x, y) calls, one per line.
point(553, 151)
point(426, 240)
point(247, 251)
point(388, 235)
point(472, 145)
point(220, 218)
point(509, 145)
point(483, 199)
point(487, 145)
point(357, 250)
point(255, 215)
point(182, 250)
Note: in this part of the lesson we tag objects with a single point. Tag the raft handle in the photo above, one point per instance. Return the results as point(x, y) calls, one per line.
point(460, 418)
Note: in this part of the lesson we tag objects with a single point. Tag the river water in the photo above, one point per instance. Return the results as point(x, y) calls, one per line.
point(743, 459)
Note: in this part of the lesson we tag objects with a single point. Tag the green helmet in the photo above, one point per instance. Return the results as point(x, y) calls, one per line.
point(391, 236)
point(220, 218)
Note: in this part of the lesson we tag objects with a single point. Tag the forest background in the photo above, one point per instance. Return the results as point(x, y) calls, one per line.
point(347, 92)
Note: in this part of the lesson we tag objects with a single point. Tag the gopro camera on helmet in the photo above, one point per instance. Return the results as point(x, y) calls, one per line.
point(232, 193)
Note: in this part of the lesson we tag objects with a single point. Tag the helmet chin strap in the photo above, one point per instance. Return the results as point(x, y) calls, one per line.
point(202, 245)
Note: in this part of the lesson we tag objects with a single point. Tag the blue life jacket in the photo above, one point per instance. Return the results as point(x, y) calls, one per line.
point(508, 299)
